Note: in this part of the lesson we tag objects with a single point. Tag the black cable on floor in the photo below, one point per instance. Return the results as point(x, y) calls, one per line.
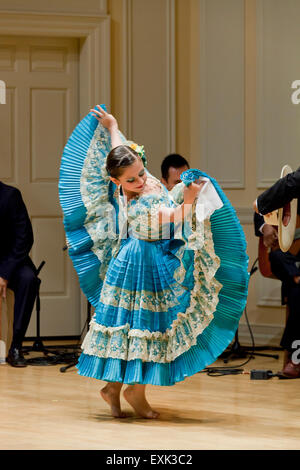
point(234, 370)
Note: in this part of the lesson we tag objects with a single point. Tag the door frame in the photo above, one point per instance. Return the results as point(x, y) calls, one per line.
point(94, 54)
point(93, 32)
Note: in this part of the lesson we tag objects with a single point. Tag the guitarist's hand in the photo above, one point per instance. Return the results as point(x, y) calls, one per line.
point(270, 235)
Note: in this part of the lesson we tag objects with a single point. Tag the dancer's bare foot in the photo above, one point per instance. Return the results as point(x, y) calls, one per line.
point(111, 394)
point(135, 395)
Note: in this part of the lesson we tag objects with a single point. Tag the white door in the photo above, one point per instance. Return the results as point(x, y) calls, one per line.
point(41, 110)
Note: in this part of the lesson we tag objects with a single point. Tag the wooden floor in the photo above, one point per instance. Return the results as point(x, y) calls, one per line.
point(42, 408)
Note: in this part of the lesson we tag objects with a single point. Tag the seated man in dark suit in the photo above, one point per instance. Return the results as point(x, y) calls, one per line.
point(286, 267)
point(171, 168)
point(17, 271)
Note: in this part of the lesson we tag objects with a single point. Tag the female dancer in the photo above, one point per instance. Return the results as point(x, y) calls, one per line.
point(167, 301)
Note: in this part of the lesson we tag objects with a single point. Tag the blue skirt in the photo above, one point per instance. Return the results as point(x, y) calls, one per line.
point(162, 311)
point(156, 321)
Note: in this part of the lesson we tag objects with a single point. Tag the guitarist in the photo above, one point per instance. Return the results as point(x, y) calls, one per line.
point(286, 267)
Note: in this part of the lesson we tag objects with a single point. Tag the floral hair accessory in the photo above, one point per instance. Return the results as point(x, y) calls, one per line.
point(139, 149)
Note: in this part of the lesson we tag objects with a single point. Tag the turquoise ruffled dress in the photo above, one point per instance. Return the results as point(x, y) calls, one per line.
point(167, 301)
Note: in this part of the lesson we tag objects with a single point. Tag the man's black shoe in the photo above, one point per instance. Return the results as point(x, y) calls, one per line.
point(15, 358)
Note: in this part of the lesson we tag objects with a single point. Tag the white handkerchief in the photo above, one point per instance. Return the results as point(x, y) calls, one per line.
point(208, 201)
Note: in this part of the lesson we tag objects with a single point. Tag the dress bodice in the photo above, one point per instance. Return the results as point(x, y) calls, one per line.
point(141, 213)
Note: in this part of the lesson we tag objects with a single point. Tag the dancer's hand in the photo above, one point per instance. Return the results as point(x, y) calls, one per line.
point(107, 120)
point(191, 192)
point(110, 123)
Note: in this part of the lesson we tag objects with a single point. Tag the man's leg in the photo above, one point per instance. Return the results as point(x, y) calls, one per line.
point(284, 265)
point(292, 328)
point(291, 335)
point(25, 287)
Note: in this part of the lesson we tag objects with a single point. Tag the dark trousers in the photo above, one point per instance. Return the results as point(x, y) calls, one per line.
point(285, 266)
point(24, 284)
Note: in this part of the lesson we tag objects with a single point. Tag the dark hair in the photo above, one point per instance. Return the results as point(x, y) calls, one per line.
point(120, 158)
point(175, 160)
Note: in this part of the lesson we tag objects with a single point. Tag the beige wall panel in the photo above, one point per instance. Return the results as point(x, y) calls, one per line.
point(7, 58)
point(151, 76)
point(56, 6)
point(278, 65)
point(56, 322)
point(265, 314)
point(183, 82)
point(7, 137)
point(117, 10)
point(46, 147)
point(60, 295)
point(222, 78)
point(268, 291)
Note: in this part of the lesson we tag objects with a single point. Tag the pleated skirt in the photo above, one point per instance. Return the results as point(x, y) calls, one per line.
point(164, 313)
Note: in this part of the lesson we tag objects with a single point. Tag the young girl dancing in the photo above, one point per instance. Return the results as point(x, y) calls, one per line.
point(165, 271)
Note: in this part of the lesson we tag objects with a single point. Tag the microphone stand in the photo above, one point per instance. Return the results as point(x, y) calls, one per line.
point(88, 319)
point(38, 345)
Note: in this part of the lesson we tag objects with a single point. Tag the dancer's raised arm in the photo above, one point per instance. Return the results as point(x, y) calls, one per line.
point(110, 123)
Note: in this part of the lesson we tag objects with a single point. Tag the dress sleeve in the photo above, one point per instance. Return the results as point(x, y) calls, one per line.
point(207, 202)
point(177, 193)
point(89, 205)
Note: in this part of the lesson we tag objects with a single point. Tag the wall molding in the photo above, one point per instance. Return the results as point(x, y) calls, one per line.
point(171, 75)
point(210, 158)
point(245, 215)
point(268, 292)
point(269, 301)
point(170, 71)
point(277, 118)
point(262, 182)
point(76, 7)
point(127, 66)
point(94, 32)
